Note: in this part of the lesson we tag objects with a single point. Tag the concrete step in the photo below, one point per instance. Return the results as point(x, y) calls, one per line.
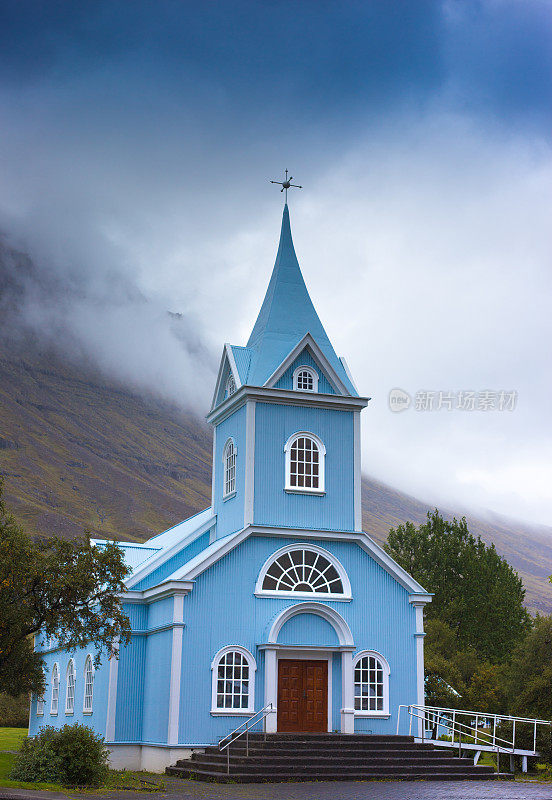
point(341, 775)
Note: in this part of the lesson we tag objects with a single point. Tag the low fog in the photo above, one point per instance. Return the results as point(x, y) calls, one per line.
point(422, 231)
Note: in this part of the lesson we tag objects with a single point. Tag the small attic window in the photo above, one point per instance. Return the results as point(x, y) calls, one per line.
point(230, 386)
point(305, 379)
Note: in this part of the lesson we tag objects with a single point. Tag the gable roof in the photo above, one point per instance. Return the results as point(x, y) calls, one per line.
point(220, 547)
point(286, 316)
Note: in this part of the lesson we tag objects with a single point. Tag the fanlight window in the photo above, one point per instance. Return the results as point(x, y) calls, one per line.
point(302, 570)
point(233, 681)
point(230, 386)
point(88, 685)
point(305, 456)
point(70, 690)
point(229, 460)
point(305, 379)
point(55, 690)
point(371, 684)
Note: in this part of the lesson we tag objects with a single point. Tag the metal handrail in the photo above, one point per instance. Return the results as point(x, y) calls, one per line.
point(448, 717)
point(234, 735)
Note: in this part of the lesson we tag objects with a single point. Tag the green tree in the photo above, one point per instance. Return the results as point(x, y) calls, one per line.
point(66, 589)
point(529, 674)
point(476, 592)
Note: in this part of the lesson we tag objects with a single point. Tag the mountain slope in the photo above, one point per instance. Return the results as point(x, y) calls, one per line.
point(77, 452)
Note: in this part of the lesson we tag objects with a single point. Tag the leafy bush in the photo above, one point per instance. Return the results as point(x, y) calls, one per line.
point(14, 711)
point(72, 756)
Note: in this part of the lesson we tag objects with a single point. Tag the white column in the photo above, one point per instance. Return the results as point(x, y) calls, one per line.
point(347, 694)
point(112, 694)
point(176, 669)
point(271, 689)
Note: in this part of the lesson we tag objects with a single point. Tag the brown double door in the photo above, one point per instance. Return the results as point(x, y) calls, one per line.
point(302, 696)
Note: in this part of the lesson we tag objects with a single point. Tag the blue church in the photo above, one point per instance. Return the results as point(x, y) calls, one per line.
point(273, 597)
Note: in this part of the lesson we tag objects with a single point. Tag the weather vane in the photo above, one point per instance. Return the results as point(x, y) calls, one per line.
point(287, 184)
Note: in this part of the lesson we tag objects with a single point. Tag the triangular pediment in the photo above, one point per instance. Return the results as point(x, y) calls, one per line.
point(227, 367)
point(308, 351)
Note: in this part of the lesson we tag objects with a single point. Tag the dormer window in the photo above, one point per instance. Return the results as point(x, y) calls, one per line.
point(305, 379)
point(230, 386)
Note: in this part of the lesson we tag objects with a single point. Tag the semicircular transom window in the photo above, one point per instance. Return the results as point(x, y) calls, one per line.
point(304, 571)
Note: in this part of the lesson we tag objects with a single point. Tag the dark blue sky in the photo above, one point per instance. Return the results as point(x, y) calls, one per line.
point(288, 63)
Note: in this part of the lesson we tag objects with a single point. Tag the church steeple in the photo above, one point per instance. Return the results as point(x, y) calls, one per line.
point(286, 316)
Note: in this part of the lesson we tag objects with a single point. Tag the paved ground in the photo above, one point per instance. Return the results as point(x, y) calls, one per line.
point(353, 790)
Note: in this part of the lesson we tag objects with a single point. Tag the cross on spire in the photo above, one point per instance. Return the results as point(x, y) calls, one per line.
point(286, 184)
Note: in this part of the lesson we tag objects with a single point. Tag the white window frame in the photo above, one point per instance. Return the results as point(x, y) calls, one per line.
point(312, 372)
point(345, 595)
point(41, 700)
point(386, 672)
point(71, 669)
point(230, 386)
point(89, 669)
point(233, 712)
point(231, 492)
point(321, 489)
point(54, 701)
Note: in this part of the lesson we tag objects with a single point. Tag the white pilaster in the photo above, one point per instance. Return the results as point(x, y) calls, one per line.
point(347, 693)
point(271, 689)
point(249, 493)
point(176, 669)
point(112, 694)
point(420, 678)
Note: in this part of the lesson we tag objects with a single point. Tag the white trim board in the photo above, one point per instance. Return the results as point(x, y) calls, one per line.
point(307, 342)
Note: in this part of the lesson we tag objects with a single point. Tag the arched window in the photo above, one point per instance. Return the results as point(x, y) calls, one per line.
point(304, 570)
point(305, 462)
point(230, 386)
point(70, 688)
point(40, 701)
point(229, 461)
point(55, 690)
point(233, 681)
point(88, 685)
point(305, 379)
point(371, 684)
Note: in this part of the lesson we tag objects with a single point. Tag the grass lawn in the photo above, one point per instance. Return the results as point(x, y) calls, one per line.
point(11, 738)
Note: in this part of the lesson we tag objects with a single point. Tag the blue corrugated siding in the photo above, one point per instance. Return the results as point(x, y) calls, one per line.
point(160, 612)
point(156, 687)
point(308, 629)
point(222, 610)
point(305, 359)
point(97, 719)
point(130, 691)
point(186, 554)
point(274, 424)
point(230, 512)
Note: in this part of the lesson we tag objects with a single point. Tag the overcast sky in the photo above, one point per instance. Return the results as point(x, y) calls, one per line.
point(136, 144)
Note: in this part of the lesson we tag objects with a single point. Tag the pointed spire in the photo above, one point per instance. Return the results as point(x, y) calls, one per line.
point(286, 315)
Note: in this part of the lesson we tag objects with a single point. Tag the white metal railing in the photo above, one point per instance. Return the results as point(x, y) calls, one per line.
point(465, 731)
point(237, 733)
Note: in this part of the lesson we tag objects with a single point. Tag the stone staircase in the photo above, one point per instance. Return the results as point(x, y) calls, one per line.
point(330, 757)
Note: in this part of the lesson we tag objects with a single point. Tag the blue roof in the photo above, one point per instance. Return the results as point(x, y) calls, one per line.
point(286, 316)
point(242, 357)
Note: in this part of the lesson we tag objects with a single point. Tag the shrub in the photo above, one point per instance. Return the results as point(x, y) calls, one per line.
point(14, 711)
point(72, 756)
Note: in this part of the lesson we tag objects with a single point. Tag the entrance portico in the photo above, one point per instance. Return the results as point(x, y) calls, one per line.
point(300, 689)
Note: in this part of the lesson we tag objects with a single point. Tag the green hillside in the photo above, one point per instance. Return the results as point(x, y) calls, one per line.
point(77, 452)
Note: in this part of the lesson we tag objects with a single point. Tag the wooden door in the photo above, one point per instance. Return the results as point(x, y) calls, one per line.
point(302, 696)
